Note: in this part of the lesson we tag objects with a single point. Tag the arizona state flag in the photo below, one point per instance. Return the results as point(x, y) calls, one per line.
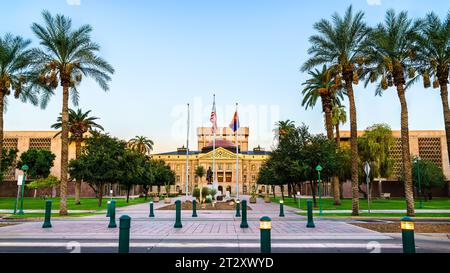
point(235, 122)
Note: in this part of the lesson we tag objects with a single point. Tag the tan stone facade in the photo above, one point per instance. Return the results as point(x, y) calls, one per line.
point(249, 161)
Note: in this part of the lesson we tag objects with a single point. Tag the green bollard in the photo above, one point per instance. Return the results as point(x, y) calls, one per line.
point(194, 208)
point(244, 223)
point(48, 214)
point(108, 208)
point(281, 208)
point(265, 226)
point(310, 223)
point(238, 208)
point(124, 234)
point(407, 225)
point(112, 215)
point(178, 215)
point(152, 213)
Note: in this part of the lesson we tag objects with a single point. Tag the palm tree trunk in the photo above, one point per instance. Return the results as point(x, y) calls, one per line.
point(64, 150)
point(327, 107)
point(338, 137)
point(2, 109)
point(77, 182)
point(353, 147)
point(446, 110)
point(406, 155)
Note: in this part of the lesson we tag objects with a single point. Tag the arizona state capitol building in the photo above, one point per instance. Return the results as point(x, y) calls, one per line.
point(250, 161)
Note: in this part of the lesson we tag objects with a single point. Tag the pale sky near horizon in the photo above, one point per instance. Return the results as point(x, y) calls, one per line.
point(169, 53)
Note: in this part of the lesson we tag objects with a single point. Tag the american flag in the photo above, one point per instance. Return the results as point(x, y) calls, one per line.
point(213, 118)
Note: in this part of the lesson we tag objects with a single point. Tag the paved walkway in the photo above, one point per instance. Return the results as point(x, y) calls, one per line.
point(212, 231)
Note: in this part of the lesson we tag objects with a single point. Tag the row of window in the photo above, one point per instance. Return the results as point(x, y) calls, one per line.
point(221, 177)
point(220, 166)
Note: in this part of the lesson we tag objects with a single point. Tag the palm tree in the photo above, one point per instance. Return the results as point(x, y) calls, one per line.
point(338, 117)
point(79, 123)
point(434, 56)
point(283, 128)
point(14, 66)
point(321, 85)
point(141, 144)
point(392, 51)
point(200, 172)
point(340, 44)
point(65, 57)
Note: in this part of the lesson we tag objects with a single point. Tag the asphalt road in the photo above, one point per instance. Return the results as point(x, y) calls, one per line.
point(424, 244)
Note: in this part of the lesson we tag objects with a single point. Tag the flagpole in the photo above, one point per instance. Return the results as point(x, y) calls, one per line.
point(237, 153)
point(187, 152)
point(214, 144)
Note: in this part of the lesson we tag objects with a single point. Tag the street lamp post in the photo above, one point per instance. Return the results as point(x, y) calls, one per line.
point(319, 169)
point(24, 169)
point(418, 159)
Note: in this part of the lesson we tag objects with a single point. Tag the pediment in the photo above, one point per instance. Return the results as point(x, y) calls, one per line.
point(221, 153)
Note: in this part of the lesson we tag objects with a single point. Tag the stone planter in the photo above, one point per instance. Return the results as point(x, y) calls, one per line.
point(167, 200)
point(252, 200)
point(156, 199)
point(267, 199)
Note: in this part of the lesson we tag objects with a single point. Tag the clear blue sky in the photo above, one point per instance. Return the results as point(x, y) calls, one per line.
point(169, 53)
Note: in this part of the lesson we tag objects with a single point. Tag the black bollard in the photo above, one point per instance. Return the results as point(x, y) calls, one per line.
point(112, 215)
point(178, 214)
point(48, 214)
point(244, 223)
point(124, 234)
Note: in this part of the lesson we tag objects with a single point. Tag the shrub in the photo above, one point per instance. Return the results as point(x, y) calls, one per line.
point(196, 193)
point(205, 191)
point(213, 192)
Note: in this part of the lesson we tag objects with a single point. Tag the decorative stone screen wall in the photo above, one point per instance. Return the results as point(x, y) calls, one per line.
point(40, 143)
point(430, 149)
point(396, 154)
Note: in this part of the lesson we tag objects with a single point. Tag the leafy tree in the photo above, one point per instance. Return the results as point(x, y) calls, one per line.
point(392, 51)
point(131, 169)
point(374, 147)
point(141, 144)
point(42, 183)
point(147, 178)
point(39, 163)
point(340, 45)
point(79, 124)
point(431, 176)
point(65, 56)
point(14, 67)
point(163, 175)
point(8, 160)
point(99, 163)
point(434, 60)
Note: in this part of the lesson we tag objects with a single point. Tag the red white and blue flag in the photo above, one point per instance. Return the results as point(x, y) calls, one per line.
point(234, 125)
point(213, 118)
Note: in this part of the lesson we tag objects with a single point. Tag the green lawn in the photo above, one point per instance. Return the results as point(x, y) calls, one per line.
point(397, 215)
point(42, 215)
point(393, 203)
point(86, 203)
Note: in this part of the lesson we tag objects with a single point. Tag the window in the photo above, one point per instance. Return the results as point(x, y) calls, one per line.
point(229, 176)
point(178, 179)
point(220, 177)
point(253, 168)
point(253, 178)
point(228, 166)
point(220, 167)
point(245, 178)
